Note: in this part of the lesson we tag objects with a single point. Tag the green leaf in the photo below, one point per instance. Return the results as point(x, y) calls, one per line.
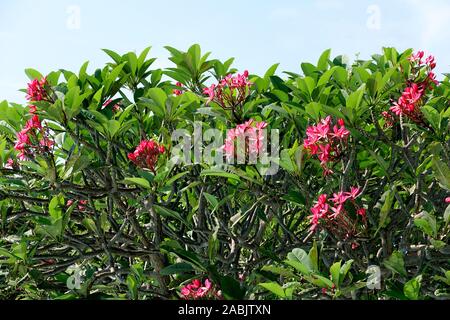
point(132, 286)
point(411, 289)
point(313, 110)
point(306, 85)
point(314, 257)
point(335, 271)
point(441, 172)
point(143, 56)
point(325, 78)
point(354, 100)
point(433, 116)
point(344, 270)
point(211, 199)
point(322, 64)
point(188, 256)
point(299, 255)
point(56, 206)
point(137, 181)
point(213, 246)
point(279, 271)
point(178, 268)
point(427, 223)
point(219, 173)
point(132, 61)
point(115, 56)
point(275, 288)
point(33, 74)
point(271, 71)
point(113, 127)
point(389, 197)
point(168, 213)
point(158, 96)
point(231, 288)
point(447, 215)
point(320, 281)
point(308, 69)
point(396, 263)
point(6, 253)
point(381, 162)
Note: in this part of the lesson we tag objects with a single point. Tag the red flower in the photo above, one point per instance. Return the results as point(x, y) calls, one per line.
point(411, 100)
point(251, 133)
point(230, 92)
point(340, 198)
point(354, 193)
point(9, 164)
point(81, 204)
point(361, 212)
point(331, 214)
point(22, 141)
point(210, 92)
point(33, 139)
point(146, 154)
point(178, 92)
point(327, 144)
point(417, 57)
point(447, 200)
point(36, 90)
point(196, 290)
point(32, 109)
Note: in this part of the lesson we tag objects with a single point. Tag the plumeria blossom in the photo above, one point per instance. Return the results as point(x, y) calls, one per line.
point(81, 204)
point(230, 92)
point(32, 109)
point(33, 139)
point(326, 141)
point(178, 92)
point(37, 90)
point(146, 154)
point(198, 291)
point(9, 164)
point(246, 139)
point(388, 118)
point(331, 213)
point(410, 102)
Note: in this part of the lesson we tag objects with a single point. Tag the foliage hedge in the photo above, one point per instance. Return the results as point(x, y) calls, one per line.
point(82, 204)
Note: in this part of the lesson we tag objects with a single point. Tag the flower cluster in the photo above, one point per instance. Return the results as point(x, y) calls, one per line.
point(146, 154)
point(230, 92)
point(81, 204)
point(37, 90)
point(198, 291)
point(33, 139)
point(10, 164)
point(333, 213)
point(178, 92)
point(245, 139)
point(411, 100)
point(326, 141)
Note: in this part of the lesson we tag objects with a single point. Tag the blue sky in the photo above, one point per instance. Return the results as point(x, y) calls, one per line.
point(47, 34)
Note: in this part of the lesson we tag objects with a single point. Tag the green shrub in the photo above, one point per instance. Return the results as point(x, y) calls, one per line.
point(99, 197)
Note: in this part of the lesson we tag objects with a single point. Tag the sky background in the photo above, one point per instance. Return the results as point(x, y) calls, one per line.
point(52, 34)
